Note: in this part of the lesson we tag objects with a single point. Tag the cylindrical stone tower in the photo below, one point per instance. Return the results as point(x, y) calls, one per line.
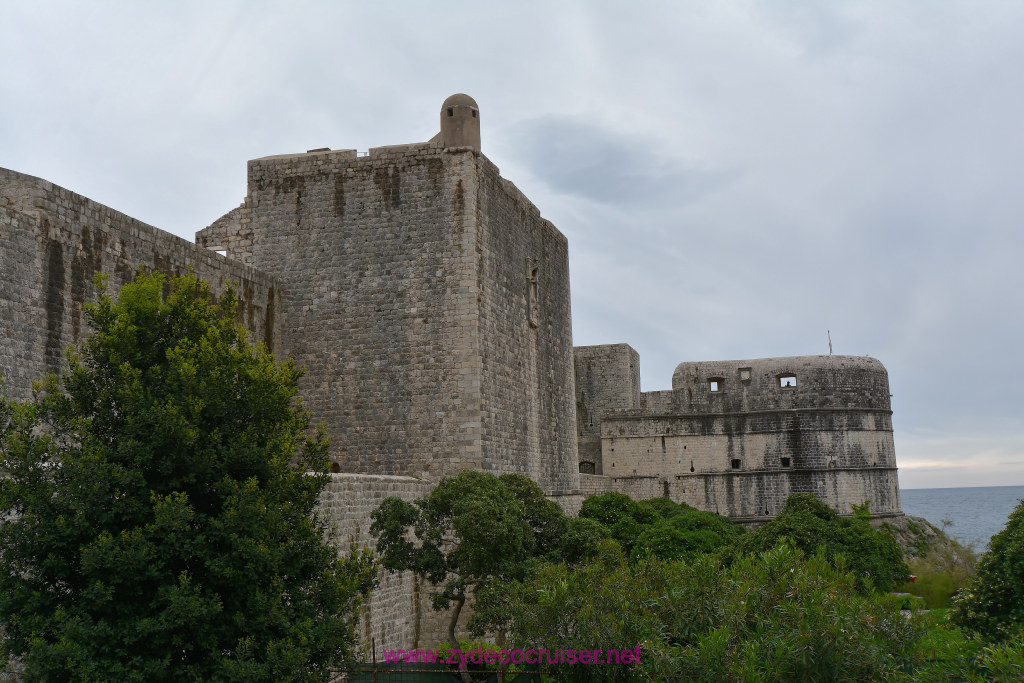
point(460, 122)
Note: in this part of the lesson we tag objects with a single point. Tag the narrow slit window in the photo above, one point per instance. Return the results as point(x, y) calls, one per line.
point(787, 381)
point(533, 296)
point(451, 111)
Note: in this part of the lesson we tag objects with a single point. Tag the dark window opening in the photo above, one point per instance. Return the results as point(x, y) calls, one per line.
point(474, 113)
point(335, 468)
point(587, 468)
point(451, 111)
point(735, 463)
point(785, 462)
point(691, 466)
point(662, 444)
point(787, 381)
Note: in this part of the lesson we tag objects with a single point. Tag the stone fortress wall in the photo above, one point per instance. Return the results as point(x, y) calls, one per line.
point(52, 243)
point(429, 302)
point(738, 437)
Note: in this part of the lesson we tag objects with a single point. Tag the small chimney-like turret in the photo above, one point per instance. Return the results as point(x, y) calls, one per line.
point(460, 122)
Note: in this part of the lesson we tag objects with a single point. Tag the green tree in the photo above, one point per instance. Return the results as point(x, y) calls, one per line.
point(772, 616)
point(992, 601)
point(473, 529)
point(161, 506)
point(871, 554)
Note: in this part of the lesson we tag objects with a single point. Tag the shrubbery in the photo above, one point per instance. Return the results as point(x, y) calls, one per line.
point(992, 602)
point(871, 554)
point(659, 527)
point(770, 616)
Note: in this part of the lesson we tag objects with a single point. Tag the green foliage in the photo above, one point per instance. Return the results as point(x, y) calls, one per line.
point(473, 529)
point(947, 653)
point(992, 602)
point(658, 526)
point(612, 507)
point(872, 554)
point(940, 574)
point(773, 616)
point(162, 497)
point(582, 539)
point(684, 533)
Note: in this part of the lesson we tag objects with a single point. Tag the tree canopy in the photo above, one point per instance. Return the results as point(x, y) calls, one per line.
point(161, 502)
point(474, 528)
point(871, 554)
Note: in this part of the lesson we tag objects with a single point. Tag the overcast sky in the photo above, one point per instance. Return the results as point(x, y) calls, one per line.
point(734, 178)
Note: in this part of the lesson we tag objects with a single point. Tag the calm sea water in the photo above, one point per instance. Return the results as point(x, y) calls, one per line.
point(978, 513)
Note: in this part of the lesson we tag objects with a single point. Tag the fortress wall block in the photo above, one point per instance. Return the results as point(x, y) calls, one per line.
point(52, 243)
point(428, 300)
point(607, 381)
point(738, 437)
point(528, 413)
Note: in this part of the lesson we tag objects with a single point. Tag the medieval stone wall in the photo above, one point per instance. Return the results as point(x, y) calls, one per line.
point(398, 613)
point(738, 437)
point(528, 412)
point(607, 382)
point(406, 274)
point(381, 299)
point(52, 243)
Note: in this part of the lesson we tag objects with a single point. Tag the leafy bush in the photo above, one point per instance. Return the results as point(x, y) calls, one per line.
point(992, 602)
point(659, 527)
point(582, 539)
point(770, 616)
point(473, 529)
point(872, 554)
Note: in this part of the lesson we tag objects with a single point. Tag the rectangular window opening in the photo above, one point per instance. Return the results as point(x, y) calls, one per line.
point(714, 385)
point(735, 463)
point(787, 381)
point(785, 462)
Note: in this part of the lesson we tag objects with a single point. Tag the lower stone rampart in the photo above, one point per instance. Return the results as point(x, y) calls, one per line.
point(398, 613)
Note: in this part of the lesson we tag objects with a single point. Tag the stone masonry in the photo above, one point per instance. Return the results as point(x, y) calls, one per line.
point(738, 437)
point(429, 301)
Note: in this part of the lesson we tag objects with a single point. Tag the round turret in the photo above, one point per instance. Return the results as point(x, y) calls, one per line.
point(460, 122)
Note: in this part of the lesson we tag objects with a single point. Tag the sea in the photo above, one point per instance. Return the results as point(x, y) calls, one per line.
point(976, 513)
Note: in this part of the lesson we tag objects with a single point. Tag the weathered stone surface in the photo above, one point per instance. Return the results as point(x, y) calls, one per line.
point(52, 243)
point(738, 437)
point(429, 302)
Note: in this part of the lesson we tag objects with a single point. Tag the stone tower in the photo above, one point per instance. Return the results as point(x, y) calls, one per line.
point(428, 300)
point(460, 122)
